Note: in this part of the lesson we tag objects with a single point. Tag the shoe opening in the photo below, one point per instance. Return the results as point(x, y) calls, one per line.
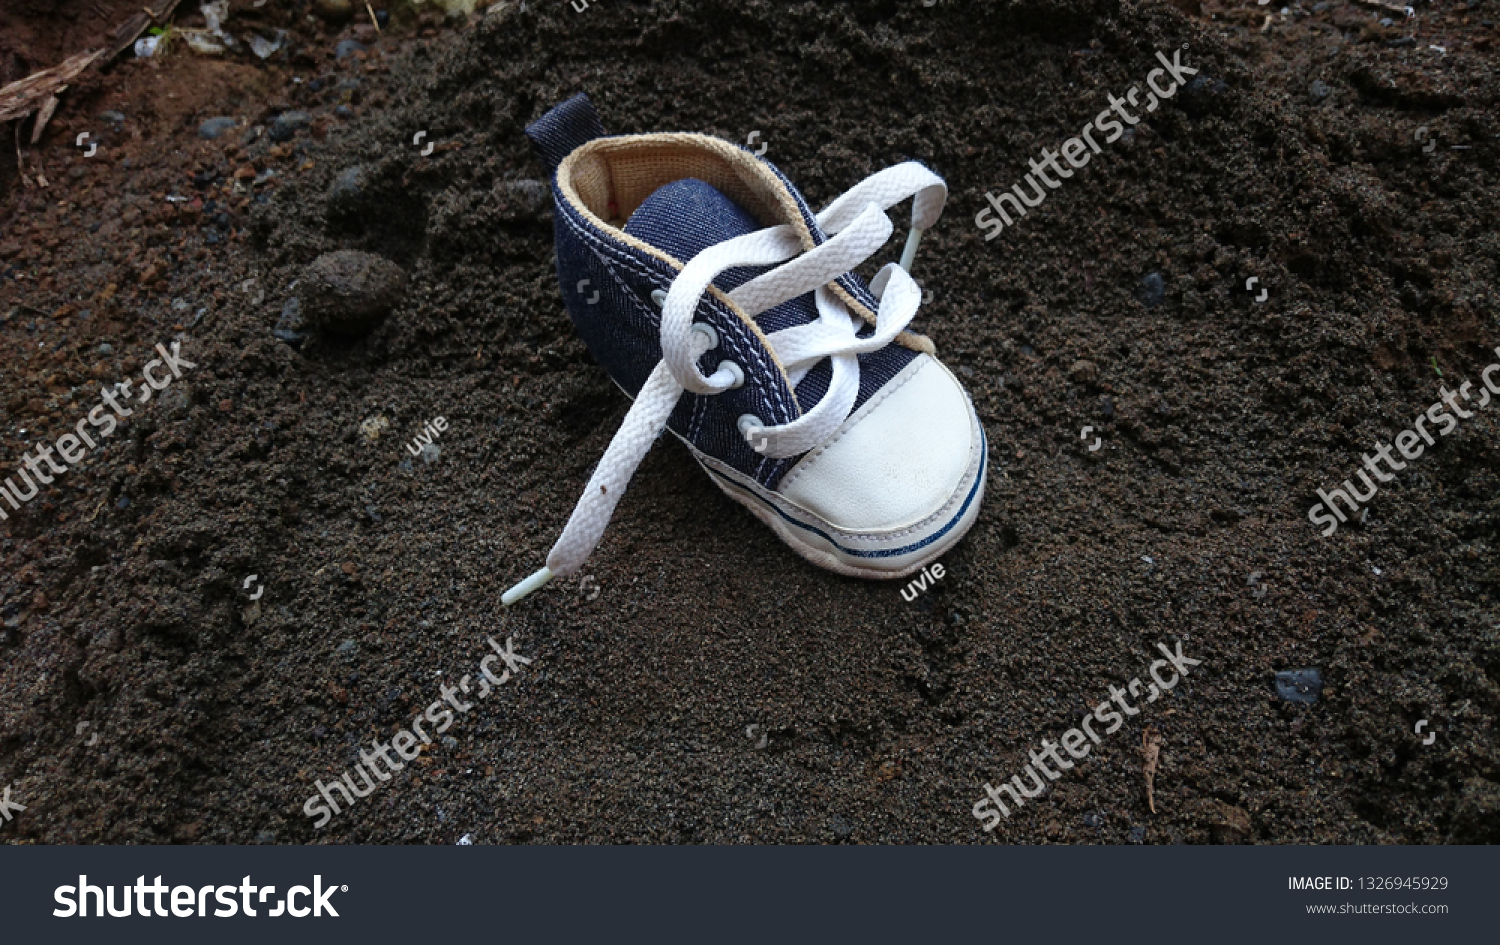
point(610, 177)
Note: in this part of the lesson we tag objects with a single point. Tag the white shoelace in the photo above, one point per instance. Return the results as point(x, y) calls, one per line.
point(858, 227)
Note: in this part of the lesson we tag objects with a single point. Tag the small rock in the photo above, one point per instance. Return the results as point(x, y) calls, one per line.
point(114, 118)
point(1153, 290)
point(1084, 372)
point(1201, 95)
point(214, 127)
point(291, 315)
point(1318, 91)
point(1299, 685)
point(371, 428)
point(430, 453)
point(467, 840)
point(265, 836)
point(106, 348)
point(449, 741)
point(245, 172)
point(264, 47)
point(1387, 22)
point(350, 292)
point(841, 828)
point(286, 125)
point(346, 648)
point(348, 47)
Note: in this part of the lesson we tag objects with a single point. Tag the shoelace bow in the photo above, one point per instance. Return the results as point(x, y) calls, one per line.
point(858, 227)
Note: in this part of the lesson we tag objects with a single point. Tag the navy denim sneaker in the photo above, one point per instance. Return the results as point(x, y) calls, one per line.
point(716, 299)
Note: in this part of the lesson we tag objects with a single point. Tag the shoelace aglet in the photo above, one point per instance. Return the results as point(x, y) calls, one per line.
point(909, 254)
point(535, 582)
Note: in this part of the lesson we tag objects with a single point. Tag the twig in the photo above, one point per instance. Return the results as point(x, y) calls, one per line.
point(20, 163)
point(371, 11)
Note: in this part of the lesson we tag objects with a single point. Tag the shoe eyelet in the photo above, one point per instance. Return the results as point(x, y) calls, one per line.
point(737, 371)
point(659, 296)
point(748, 422)
point(704, 328)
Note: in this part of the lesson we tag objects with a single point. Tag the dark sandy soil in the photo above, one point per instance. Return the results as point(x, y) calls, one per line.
point(716, 688)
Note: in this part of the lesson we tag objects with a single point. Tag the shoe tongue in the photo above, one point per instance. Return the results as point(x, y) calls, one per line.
point(688, 216)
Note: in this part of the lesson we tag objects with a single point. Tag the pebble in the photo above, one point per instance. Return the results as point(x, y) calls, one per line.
point(431, 452)
point(1084, 372)
point(841, 827)
point(291, 315)
point(1387, 22)
point(106, 348)
point(287, 124)
point(1202, 94)
point(114, 118)
point(348, 48)
point(346, 648)
point(1319, 91)
point(350, 292)
point(1153, 290)
point(344, 111)
point(1299, 685)
point(213, 127)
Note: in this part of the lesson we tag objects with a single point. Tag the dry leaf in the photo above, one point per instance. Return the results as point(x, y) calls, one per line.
point(1151, 747)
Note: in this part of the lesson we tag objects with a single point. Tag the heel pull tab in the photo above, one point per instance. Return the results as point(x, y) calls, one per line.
point(565, 128)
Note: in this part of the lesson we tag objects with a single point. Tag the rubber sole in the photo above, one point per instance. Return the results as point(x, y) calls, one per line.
point(886, 555)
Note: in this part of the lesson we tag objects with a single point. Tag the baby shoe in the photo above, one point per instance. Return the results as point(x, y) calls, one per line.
point(728, 310)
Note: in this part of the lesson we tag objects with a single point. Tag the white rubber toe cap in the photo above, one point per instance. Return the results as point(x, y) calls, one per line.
point(897, 460)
